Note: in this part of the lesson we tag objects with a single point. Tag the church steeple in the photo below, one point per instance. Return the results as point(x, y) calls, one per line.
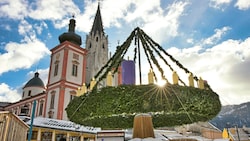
point(71, 36)
point(97, 46)
point(97, 25)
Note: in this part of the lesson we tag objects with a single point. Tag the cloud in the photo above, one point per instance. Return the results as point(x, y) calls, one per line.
point(8, 94)
point(56, 11)
point(22, 55)
point(146, 14)
point(165, 25)
point(242, 4)
point(14, 9)
point(39, 27)
point(219, 4)
point(52, 9)
point(216, 37)
point(25, 54)
point(224, 66)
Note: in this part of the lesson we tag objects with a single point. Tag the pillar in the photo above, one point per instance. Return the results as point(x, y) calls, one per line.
point(67, 138)
point(38, 135)
point(53, 135)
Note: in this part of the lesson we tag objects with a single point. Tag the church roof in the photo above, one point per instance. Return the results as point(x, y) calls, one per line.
point(71, 36)
point(35, 82)
point(97, 25)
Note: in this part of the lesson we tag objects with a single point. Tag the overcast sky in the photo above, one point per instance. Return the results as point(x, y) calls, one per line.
point(209, 37)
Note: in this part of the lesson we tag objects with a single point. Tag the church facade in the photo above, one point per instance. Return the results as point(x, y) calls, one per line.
point(71, 66)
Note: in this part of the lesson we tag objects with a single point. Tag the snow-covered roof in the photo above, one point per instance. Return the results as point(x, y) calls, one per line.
point(62, 125)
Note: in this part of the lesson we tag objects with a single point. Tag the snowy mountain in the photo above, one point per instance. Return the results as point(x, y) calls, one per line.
point(232, 116)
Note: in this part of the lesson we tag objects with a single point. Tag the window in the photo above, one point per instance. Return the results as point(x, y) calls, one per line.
point(41, 108)
point(74, 70)
point(56, 70)
point(90, 45)
point(96, 39)
point(52, 101)
point(25, 110)
point(29, 93)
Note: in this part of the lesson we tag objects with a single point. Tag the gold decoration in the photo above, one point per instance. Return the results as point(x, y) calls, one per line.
point(201, 83)
point(191, 80)
point(150, 77)
point(92, 84)
point(109, 79)
point(175, 77)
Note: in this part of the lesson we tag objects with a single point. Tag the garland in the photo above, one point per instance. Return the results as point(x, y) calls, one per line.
point(115, 61)
point(165, 61)
point(115, 107)
point(149, 61)
point(170, 56)
point(152, 57)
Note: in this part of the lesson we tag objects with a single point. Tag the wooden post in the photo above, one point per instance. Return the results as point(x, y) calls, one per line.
point(143, 126)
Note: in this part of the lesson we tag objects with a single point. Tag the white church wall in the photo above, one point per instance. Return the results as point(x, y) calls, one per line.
point(56, 101)
point(79, 60)
point(59, 56)
point(32, 90)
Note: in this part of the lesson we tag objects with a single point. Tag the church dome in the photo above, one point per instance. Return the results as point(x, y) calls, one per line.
point(35, 82)
point(71, 36)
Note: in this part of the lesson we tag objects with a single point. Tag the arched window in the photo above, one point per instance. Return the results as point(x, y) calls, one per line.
point(90, 45)
point(41, 108)
point(56, 68)
point(52, 99)
point(24, 110)
point(75, 68)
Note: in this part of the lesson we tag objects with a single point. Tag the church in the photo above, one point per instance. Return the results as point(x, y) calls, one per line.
point(71, 67)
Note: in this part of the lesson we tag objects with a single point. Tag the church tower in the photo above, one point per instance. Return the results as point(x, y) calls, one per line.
point(66, 73)
point(97, 46)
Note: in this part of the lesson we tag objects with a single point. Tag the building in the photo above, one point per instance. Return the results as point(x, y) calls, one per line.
point(54, 130)
point(97, 46)
point(33, 90)
point(71, 66)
